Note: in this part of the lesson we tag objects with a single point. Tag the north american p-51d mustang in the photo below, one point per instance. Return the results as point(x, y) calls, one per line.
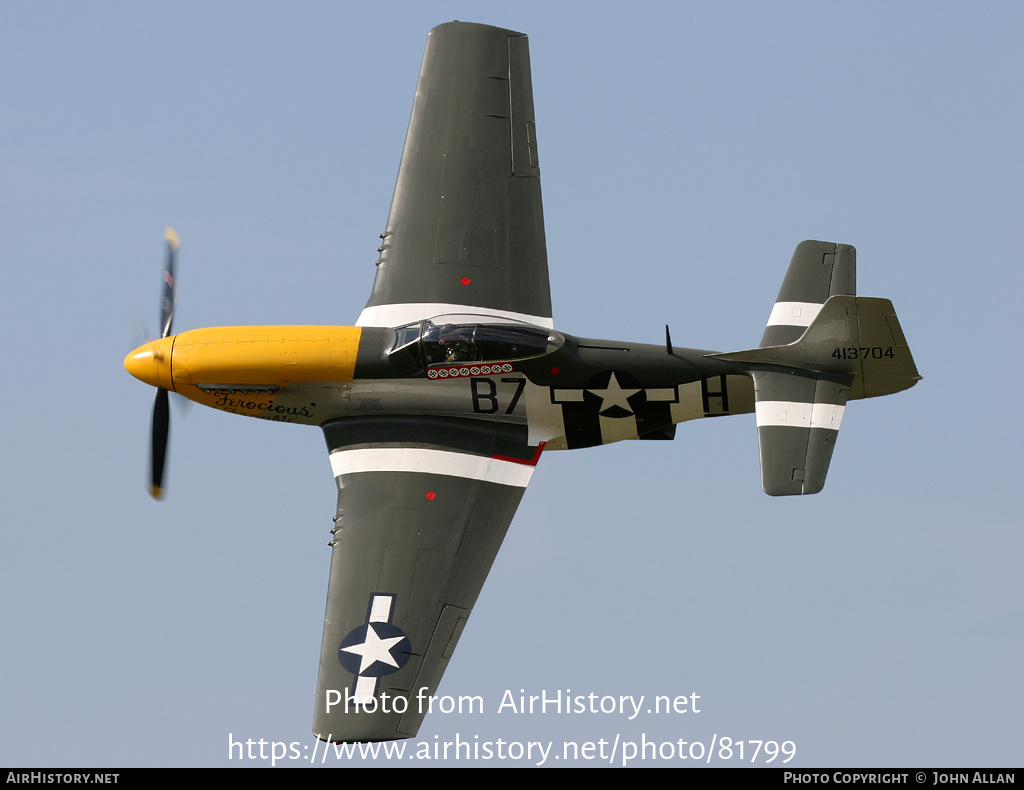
point(438, 403)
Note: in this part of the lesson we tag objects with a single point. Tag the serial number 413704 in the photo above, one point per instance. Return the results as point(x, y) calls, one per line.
point(864, 352)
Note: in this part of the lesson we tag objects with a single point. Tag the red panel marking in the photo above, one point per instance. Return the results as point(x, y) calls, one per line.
point(531, 462)
point(431, 495)
point(555, 370)
point(464, 281)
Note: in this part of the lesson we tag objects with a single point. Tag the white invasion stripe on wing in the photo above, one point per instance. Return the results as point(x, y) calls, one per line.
point(398, 314)
point(799, 415)
point(794, 313)
point(436, 462)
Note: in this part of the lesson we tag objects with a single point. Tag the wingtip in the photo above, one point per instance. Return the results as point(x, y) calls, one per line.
point(171, 237)
point(157, 493)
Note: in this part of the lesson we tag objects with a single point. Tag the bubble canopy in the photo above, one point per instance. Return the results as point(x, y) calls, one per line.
point(423, 344)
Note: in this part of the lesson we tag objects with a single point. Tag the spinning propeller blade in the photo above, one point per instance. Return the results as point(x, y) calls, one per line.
point(161, 427)
point(151, 363)
point(167, 297)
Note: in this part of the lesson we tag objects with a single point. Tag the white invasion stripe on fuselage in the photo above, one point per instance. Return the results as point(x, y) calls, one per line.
point(794, 313)
point(398, 314)
point(435, 462)
point(793, 414)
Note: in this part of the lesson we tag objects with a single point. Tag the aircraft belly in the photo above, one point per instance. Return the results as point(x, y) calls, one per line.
point(714, 396)
point(483, 397)
point(511, 399)
point(561, 418)
point(615, 405)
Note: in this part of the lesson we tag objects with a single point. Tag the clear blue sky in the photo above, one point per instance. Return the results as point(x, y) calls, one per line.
point(686, 148)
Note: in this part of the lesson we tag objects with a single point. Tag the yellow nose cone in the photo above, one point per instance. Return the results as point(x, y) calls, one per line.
point(151, 363)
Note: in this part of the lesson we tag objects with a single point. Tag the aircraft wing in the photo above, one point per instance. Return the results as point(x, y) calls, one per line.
point(466, 230)
point(423, 505)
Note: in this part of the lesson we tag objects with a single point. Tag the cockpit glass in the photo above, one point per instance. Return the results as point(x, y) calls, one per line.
point(425, 343)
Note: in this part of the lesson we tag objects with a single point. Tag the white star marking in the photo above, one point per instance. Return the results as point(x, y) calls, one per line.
point(374, 649)
point(614, 395)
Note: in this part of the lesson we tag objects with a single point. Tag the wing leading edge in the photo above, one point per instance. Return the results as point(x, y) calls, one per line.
point(466, 230)
point(423, 506)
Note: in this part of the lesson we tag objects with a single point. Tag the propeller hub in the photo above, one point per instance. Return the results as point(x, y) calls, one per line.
point(151, 363)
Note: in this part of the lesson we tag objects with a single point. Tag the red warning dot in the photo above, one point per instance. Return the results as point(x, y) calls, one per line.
point(464, 281)
point(555, 370)
point(431, 495)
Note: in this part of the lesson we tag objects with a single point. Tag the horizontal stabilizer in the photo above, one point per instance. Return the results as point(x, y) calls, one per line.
point(798, 418)
point(818, 270)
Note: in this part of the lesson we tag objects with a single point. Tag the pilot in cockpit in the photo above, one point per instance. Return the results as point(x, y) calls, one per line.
point(457, 342)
